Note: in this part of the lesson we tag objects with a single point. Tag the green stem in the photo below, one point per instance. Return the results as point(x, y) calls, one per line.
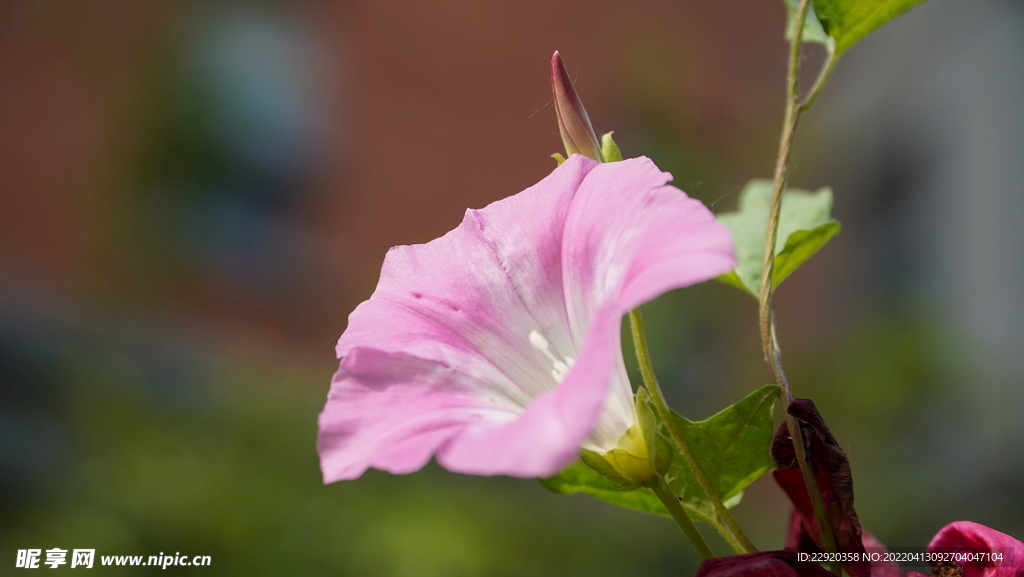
point(683, 520)
point(728, 526)
point(769, 341)
point(823, 75)
point(810, 481)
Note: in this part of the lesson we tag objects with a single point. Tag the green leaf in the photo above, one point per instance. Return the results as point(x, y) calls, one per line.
point(813, 31)
point(733, 449)
point(847, 21)
point(805, 225)
point(800, 246)
point(579, 478)
point(731, 278)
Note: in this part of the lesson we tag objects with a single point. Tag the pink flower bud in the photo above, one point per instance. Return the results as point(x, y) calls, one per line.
point(573, 123)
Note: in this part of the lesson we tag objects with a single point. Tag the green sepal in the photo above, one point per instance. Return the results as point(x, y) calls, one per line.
point(609, 150)
point(732, 447)
point(659, 451)
point(631, 466)
point(599, 464)
point(646, 419)
point(558, 158)
point(664, 454)
point(805, 225)
point(580, 478)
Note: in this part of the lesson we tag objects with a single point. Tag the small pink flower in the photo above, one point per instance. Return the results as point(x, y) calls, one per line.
point(975, 537)
point(496, 347)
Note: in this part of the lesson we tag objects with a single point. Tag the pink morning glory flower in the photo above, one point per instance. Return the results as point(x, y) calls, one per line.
point(496, 348)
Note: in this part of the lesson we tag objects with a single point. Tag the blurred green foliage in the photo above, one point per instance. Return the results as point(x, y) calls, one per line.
point(230, 470)
point(218, 459)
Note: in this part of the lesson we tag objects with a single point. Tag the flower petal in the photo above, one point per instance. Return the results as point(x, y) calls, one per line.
point(455, 316)
point(880, 569)
point(979, 538)
point(548, 436)
point(783, 563)
point(471, 298)
point(630, 237)
point(392, 411)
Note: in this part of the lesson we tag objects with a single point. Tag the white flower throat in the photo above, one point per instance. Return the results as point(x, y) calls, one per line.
point(561, 367)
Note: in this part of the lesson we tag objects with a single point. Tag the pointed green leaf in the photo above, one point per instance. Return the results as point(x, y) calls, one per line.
point(731, 278)
point(806, 213)
point(847, 21)
point(813, 32)
point(732, 448)
point(800, 246)
point(579, 478)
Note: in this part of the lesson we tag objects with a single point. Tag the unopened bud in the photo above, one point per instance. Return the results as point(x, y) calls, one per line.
point(573, 123)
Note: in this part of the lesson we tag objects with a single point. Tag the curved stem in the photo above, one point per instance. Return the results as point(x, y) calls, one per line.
point(683, 520)
point(769, 342)
point(729, 528)
point(823, 75)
